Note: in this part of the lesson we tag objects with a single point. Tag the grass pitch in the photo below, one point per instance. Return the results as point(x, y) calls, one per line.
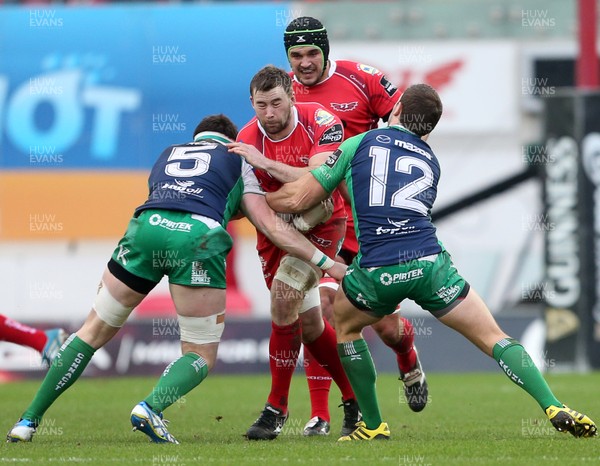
point(471, 419)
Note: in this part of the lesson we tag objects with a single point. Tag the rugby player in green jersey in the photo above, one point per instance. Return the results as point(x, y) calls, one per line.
point(392, 176)
point(195, 189)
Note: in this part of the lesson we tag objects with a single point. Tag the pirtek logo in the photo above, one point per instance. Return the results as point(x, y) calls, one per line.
point(157, 220)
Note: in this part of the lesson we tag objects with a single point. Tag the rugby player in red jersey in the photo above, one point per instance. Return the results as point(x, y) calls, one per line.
point(282, 142)
point(360, 95)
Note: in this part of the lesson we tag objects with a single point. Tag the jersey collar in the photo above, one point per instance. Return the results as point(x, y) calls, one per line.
point(402, 128)
point(212, 135)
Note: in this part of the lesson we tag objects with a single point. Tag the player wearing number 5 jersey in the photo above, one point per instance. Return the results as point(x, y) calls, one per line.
point(195, 189)
point(392, 176)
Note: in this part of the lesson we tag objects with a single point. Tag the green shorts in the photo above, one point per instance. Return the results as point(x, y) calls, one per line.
point(189, 249)
point(432, 282)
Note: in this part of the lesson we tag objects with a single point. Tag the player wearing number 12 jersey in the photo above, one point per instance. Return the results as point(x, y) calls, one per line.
point(392, 176)
point(360, 95)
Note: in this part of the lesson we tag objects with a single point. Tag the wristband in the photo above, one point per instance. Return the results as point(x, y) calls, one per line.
point(321, 260)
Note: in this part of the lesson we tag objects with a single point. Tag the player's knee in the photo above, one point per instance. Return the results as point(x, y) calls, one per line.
point(311, 300)
point(347, 327)
point(327, 297)
point(343, 332)
point(312, 325)
point(389, 335)
point(208, 352)
point(326, 308)
point(109, 310)
point(201, 330)
point(297, 274)
point(388, 330)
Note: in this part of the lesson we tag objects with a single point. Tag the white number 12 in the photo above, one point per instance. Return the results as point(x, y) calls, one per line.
point(403, 198)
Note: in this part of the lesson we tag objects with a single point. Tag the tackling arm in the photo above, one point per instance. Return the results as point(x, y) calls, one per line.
point(297, 196)
point(285, 236)
point(278, 170)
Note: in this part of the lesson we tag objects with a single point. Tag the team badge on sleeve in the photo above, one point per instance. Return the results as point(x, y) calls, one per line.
point(390, 89)
point(333, 158)
point(368, 69)
point(323, 117)
point(332, 135)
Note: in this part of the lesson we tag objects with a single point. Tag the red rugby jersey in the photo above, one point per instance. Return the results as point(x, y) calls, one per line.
point(316, 130)
point(360, 95)
point(357, 93)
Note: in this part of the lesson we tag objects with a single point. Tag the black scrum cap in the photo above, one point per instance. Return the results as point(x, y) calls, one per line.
point(306, 31)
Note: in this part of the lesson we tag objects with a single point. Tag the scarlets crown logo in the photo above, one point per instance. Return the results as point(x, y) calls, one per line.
point(344, 107)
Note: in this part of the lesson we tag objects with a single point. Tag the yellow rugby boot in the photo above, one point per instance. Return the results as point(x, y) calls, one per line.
point(565, 419)
point(362, 433)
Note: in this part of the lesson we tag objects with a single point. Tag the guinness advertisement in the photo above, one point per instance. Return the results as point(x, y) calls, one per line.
point(572, 244)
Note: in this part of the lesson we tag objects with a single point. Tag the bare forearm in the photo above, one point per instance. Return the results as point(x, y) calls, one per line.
point(294, 199)
point(282, 172)
point(281, 201)
point(297, 245)
point(279, 232)
point(287, 238)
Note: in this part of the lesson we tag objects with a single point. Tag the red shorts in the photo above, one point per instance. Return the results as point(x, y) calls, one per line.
point(329, 282)
point(327, 237)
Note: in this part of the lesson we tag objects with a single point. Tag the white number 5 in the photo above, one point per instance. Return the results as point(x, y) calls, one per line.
point(179, 154)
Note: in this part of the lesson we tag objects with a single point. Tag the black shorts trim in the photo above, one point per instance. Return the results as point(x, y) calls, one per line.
point(347, 256)
point(465, 291)
point(459, 299)
point(139, 284)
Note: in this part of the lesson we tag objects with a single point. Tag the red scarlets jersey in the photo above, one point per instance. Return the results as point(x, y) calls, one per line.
point(359, 94)
point(316, 130)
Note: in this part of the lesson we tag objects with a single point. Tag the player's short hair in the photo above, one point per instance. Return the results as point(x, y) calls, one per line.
point(218, 123)
point(306, 30)
point(269, 78)
point(421, 109)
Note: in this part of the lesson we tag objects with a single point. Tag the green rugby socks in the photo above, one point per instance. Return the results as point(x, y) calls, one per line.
point(179, 378)
point(63, 372)
point(519, 367)
point(358, 364)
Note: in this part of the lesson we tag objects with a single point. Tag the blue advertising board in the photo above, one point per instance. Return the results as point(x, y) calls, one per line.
point(108, 87)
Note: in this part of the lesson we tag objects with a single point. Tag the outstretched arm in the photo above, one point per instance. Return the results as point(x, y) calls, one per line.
point(298, 195)
point(286, 237)
point(278, 170)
